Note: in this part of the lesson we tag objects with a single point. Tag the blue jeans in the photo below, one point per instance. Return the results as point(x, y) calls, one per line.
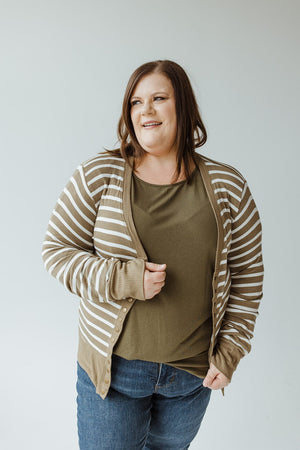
point(149, 406)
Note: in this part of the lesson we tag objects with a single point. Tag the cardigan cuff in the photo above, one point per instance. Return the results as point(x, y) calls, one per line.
point(226, 357)
point(127, 280)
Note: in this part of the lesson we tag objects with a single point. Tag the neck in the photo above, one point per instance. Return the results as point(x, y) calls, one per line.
point(160, 169)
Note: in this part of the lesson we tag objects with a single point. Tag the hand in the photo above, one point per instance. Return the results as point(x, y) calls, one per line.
point(154, 279)
point(215, 379)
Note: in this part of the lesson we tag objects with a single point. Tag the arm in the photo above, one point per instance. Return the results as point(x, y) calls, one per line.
point(68, 250)
point(246, 268)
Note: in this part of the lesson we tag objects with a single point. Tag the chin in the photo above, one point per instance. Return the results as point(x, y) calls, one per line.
point(151, 148)
point(155, 147)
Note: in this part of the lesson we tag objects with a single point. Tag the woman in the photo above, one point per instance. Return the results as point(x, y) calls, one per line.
point(163, 247)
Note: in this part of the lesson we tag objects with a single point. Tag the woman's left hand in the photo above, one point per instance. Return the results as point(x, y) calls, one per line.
point(215, 379)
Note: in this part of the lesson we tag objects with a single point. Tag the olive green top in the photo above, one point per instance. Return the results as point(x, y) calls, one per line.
point(176, 226)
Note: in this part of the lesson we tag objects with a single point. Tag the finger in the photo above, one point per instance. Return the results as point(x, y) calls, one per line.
point(210, 376)
point(150, 282)
point(157, 291)
point(216, 384)
point(219, 374)
point(154, 293)
point(155, 267)
point(158, 277)
point(157, 288)
point(220, 381)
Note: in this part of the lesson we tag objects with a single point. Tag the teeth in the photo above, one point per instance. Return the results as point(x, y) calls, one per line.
point(151, 124)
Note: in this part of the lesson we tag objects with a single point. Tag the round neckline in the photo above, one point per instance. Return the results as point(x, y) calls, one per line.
point(163, 185)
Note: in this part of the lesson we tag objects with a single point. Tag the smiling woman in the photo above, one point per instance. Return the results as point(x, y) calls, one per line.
point(161, 91)
point(153, 115)
point(157, 240)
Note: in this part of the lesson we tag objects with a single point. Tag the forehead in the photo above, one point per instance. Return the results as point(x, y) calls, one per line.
point(153, 82)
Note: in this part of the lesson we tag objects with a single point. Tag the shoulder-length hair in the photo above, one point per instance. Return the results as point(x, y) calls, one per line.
point(191, 132)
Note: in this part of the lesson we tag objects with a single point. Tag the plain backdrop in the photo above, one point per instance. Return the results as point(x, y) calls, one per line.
point(64, 68)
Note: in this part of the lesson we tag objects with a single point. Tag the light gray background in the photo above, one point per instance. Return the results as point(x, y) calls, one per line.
point(64, 68)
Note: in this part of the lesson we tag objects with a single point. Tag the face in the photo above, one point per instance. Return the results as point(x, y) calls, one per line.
point(153, 114)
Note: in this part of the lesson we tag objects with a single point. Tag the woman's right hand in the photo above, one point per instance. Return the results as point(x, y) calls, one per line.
point(154, 278)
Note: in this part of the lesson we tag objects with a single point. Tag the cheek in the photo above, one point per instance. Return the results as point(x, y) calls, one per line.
point(134, 122)
point(171, 114)
point(173, 122)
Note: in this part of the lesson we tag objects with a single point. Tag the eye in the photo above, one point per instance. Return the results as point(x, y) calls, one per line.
point(134, 102)
point(159, 98)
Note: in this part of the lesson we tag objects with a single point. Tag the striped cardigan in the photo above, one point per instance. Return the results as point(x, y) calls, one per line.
point(92, 247)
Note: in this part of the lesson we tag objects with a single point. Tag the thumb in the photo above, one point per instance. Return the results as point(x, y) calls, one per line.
point(210, 376)
point(155, 267)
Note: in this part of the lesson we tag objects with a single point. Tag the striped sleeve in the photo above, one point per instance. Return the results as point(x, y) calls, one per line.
point(246, 269)
point(69, 255)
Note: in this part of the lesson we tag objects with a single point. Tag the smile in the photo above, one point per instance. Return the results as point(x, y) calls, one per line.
point(152, 124)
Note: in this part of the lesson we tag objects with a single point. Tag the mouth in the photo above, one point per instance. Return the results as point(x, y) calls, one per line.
point(151, 124)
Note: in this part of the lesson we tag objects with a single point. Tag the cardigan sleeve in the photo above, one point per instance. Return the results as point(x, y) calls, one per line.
point(246, 271)
point(69, 255)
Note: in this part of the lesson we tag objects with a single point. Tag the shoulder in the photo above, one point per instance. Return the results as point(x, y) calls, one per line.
point(102, 170)
point(227, 182)
point(103, 161)
point(221, 170)
point(102, 166)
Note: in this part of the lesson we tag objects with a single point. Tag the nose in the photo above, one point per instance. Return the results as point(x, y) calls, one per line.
point(147, 108)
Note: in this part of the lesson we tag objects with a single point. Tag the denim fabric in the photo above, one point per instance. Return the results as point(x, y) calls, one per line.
point(150, 406)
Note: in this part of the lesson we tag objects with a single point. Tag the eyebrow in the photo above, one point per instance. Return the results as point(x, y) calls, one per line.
point(154, 93)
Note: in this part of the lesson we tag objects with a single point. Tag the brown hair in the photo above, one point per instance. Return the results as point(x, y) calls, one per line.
point(191, 132)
